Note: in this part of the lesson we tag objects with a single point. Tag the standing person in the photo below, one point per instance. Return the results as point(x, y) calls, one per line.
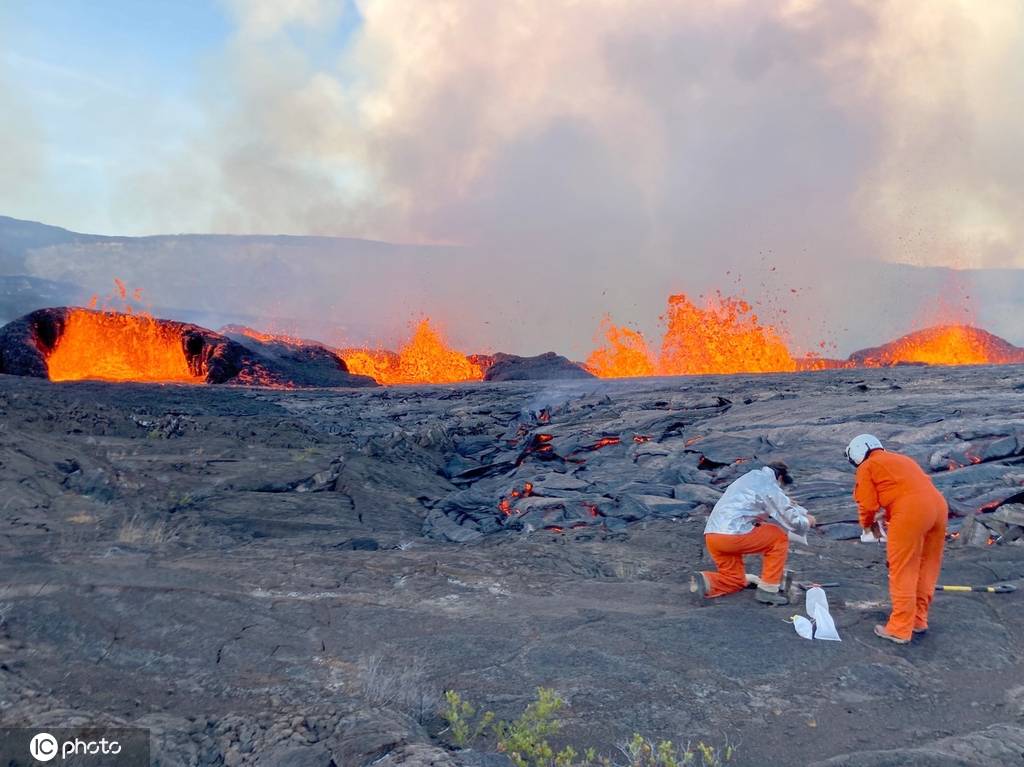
point(916, 514)
point(753, 516)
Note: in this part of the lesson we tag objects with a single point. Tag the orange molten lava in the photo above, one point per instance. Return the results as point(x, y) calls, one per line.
point(425, 359)
point(271, 338)
point(625, 355)
point(118, 347)
point(946, 345)
point(723, 337)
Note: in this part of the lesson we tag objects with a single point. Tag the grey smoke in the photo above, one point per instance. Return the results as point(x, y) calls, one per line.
point(576, 159)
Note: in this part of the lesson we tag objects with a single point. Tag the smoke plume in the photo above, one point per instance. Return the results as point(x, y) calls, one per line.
point(594, 157)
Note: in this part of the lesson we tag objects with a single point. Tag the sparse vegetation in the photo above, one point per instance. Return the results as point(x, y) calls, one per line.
point(403, 685)
point(137, 531)
point(525, 740)
point(641, 752)
point(464, 726)
point(179, 501)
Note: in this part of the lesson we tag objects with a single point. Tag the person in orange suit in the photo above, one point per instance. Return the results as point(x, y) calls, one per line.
point(916, 515)
point(753, 516)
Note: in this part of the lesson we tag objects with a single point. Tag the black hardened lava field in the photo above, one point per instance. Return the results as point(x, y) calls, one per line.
point(273, 576)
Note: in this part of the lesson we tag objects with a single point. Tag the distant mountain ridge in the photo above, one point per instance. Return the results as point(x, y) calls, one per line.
point(353, 292)
point(210, 279)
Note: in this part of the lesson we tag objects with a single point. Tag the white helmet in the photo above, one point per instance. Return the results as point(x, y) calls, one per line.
point(860, 446)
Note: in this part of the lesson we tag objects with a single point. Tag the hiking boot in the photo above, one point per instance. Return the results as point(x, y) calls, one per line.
point(700, 586)
point(774, 598)
point(883, 634)
point(923, 630)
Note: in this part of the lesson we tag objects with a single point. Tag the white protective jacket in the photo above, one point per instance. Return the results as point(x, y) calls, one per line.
point(754, 496)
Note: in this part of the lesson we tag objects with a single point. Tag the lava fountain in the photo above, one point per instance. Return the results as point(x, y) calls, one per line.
point(424, 359)
point(105, 346)
point(725, 336)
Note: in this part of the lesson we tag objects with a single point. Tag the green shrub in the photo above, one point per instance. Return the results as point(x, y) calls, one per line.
point(525, 740)
point(642, 752)
point(463, 724)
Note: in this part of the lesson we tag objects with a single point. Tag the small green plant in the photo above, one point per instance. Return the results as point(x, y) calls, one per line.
point(464, 726)
point(642, 752)
point(525, 740)
point(179, 501)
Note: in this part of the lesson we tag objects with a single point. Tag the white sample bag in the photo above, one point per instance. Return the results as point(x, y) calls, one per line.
point(803, 626)
point(821, 619)
point(817, 608)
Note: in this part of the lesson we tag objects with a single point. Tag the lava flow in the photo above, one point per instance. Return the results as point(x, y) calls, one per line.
point(943, 345)
point(425, 359)
point(723, 337)
point(108, 346)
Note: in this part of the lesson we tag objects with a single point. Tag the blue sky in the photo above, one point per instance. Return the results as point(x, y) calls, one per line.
point(102, 86)
point(125, 45)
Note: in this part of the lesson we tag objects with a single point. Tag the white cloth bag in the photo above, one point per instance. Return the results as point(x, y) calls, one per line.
point(821, 625)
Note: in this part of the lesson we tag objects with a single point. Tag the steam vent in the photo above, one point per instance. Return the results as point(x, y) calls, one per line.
point(70, 343)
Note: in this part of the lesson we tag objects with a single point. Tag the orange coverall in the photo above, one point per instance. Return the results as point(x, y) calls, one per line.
point(916, 514)
point(728, 550)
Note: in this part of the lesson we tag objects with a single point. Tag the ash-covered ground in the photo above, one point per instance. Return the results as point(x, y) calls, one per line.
point(272, 577)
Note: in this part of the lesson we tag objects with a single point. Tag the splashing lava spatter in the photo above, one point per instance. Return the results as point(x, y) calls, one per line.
point(425, 358)
point(724, 336)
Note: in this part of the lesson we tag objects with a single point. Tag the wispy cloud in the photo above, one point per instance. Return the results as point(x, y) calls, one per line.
point(31, 67)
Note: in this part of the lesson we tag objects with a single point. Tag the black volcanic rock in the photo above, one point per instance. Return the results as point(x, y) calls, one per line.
point(303, 362)
point(544, 367)
point(26, 343)
point(197, 561)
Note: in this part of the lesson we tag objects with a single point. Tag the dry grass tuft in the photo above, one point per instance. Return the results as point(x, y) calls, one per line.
point(138, 531)
point(399, 684)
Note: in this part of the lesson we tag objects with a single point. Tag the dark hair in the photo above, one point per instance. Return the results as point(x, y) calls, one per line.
point(781, 472)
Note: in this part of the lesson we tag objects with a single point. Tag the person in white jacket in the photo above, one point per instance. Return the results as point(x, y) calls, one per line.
point(753, 516)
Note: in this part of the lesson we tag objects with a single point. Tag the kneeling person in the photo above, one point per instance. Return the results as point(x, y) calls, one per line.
point(753, 516)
